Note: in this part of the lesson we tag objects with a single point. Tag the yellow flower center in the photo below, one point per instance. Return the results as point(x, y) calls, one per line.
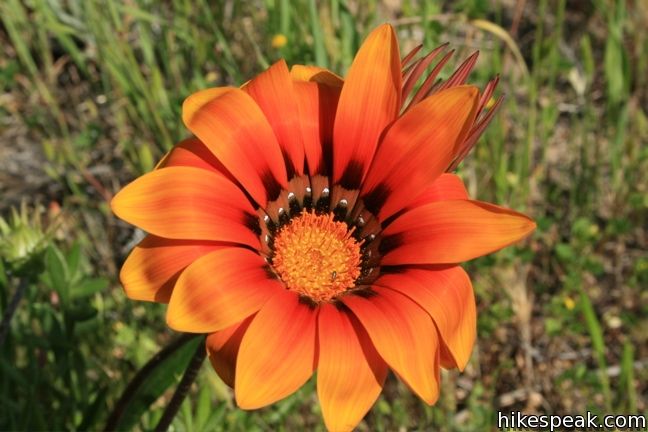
point(316, 256)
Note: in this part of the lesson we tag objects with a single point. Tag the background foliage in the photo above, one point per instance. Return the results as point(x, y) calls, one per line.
point(91, 96)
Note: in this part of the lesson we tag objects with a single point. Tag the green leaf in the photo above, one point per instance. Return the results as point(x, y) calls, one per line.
point(89, 287)
point(627, 378)
point(565, 252)
point(3, 275)
point(155, 382)
point(81, 313)
point(73, 258)
point(203, 408)
point(598, 344)
point(589, 65)
point(93, 411)
point(57, 271)
point(321, 59)
point(145, 158)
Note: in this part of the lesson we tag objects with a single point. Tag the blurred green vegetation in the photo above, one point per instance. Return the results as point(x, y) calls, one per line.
point(91, 97)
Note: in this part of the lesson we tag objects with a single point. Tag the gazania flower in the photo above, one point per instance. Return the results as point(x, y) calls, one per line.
point(311, 225)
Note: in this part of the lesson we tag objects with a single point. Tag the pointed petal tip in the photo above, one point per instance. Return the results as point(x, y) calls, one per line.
point(114, 204)
point(468, 92)
point(471, 90)
point(432, 400)
point(370, 100)
point(120, 202)
point(385, 27)
point(384, 31)
point(462, 361)
point(468, 229)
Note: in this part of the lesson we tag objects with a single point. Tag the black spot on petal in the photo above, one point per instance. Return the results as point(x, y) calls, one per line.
point(390, 243)
point(352, 175)
point(294, 206)
point(340, 212)
point(308, 201)
point(269, 272)
point(394, 269)
point(272, 227)
point(384, 224)
point(323, 204)
point(376, 198)
point(307, 301)
point(284, 218)
point(340, 306)
point(325, 167)
point(365, 293)
point(290, 167)
point(273, 188)
point(252, 222)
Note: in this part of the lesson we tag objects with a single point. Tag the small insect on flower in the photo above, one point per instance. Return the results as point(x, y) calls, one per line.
point(312, 222)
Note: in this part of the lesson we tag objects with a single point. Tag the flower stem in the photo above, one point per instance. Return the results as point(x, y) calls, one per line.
point(183, 388)
point(11, 308)
point(140, 378)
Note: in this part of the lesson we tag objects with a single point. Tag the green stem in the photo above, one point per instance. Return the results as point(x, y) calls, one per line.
point(140, 377)
point(11, 309)
point(183, 388)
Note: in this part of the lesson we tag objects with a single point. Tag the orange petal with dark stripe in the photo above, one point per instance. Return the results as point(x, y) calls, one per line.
point(317, 106)
point(223, 347)
point(417, 149)
point(447, 295)
point(277, 353)
point(219, 290)
point(153, 267)
point(404, 336)
point(370, 100)
point(350, 373)
point(234, 128)
point(187, 203)
point(273, 92)
point(451, 232)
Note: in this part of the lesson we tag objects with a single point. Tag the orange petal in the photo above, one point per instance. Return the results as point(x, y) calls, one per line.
point(369, 101)
point(445, 188)
point(219, 290)
point(350, 373)
point(193, 153)
point(317, 104)
point(451, 232)
point(223, 347)
point(153, 267)
point(404, 336)
point(277, 354)
point(188, 203)
point(447, 295)
point(417, 149)
point(273, 91)
point(315, 74)
point(234, 128)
